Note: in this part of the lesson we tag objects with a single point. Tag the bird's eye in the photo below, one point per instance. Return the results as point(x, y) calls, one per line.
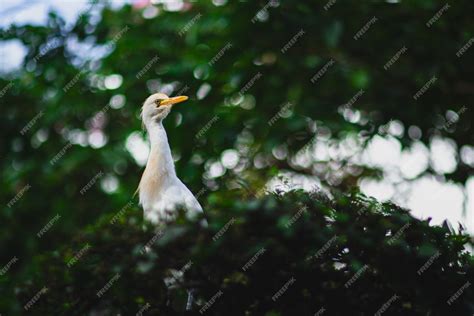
point(158, 102)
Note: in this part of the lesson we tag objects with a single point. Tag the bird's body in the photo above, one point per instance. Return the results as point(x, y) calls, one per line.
point(161, 192)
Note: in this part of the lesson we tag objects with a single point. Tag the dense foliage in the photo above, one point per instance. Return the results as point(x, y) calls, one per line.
point(343, 256)
point(268, 81)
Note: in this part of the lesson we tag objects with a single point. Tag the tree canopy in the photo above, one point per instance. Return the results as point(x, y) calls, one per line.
point(293, 254)
point(268, 81)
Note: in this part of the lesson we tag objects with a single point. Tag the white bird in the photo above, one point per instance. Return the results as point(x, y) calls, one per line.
point(161, 192)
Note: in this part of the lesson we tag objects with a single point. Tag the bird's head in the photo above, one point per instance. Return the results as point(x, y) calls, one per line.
point(157, 106)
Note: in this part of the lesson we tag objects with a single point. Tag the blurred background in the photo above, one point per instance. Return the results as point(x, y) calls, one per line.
point(284, 94)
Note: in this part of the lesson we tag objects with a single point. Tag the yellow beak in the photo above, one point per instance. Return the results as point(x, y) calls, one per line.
point(174, 100)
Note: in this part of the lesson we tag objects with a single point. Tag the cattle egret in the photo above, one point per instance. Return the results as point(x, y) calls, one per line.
point(161, 192)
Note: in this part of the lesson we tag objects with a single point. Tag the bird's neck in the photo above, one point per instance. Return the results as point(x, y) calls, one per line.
point(160, 162)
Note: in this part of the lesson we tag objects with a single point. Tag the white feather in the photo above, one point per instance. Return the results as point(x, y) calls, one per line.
point(161, 191)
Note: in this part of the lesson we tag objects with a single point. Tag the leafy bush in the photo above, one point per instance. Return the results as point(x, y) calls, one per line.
point(292, 254)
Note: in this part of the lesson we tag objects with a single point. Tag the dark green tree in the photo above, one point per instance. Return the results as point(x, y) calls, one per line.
point(266, 78)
